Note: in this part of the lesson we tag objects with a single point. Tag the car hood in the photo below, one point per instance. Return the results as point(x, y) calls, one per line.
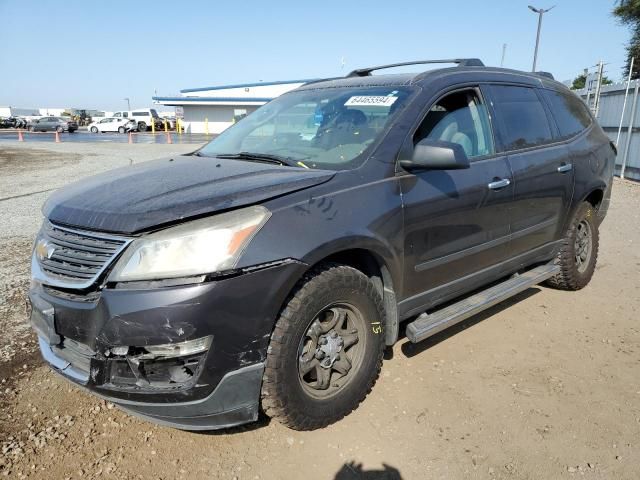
point(150, 194)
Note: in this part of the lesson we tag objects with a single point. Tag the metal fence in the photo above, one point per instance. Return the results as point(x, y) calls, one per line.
point(612, 102)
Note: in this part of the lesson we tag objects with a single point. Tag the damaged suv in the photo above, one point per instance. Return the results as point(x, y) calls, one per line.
point(269, 269)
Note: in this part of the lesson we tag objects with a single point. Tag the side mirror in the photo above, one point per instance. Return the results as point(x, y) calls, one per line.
point(436, 155)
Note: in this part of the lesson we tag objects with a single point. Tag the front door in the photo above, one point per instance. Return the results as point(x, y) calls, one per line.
point(46, 124)
point(542, 168)
point(456, 221)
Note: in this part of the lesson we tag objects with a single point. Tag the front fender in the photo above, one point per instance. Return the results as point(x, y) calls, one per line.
point(310, 226)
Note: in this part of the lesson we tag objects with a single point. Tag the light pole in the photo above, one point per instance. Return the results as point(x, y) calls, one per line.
point(540, 12)
point(128, 104)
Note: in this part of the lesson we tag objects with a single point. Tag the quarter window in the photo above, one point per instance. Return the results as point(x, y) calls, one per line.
point(570, 113)
point(459, 118)
point(522, 118)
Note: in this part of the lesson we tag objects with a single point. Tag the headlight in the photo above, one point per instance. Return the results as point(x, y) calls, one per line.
point(208, 245)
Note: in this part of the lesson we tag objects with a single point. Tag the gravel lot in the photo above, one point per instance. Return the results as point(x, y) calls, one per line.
point(546, 385)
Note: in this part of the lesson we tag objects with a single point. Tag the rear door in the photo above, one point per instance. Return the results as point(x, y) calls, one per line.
point(540, 164)
point(456, 221)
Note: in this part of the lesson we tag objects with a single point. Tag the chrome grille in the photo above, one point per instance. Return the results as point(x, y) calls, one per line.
point(74, 258)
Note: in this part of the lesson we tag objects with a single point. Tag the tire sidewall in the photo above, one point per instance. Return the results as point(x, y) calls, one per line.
point(587, 213)
point(347, 290)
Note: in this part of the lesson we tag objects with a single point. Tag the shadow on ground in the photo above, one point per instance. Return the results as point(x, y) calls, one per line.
point(354, 471)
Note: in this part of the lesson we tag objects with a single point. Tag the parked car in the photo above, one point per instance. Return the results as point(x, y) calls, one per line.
point(171, 122)
point(113, 124)
point(270, 268)
point(13, 122)
point(53, 124)
point(143, 117)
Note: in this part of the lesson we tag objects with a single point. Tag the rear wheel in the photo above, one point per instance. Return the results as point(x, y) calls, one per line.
point(579, 253)
point(142, 127)
point(326, 350)
point(94, 129)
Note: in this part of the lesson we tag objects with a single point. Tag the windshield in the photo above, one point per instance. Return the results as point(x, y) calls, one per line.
point(324, 128)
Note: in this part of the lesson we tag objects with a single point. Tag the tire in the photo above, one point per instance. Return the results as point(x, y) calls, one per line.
point(304, 401)
point(120, 129)
point(579, 252)
point(94, 129)
point(142, 127)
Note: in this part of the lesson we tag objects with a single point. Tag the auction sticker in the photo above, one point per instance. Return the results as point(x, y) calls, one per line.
point(370, 100)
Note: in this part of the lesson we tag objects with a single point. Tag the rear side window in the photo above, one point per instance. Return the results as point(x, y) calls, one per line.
point(521, 116)
point(570, 113)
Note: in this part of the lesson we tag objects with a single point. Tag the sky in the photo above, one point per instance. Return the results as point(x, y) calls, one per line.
point(93, 54)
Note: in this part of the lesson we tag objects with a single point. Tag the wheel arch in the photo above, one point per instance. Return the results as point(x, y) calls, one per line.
point(595, 196)
point(373, 264)
point(593, 193)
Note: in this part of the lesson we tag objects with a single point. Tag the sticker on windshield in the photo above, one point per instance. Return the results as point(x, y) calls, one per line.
point(370, 100)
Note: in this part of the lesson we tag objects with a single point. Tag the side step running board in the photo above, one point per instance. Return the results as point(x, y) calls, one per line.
point(427, 325)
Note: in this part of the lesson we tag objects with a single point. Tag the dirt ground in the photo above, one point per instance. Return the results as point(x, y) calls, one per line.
point(544, 386)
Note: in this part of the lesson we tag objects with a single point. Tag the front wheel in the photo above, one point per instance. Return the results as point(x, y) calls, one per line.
point(94, 129)
point(325, 352)
point(579, 252)
point(142, 127)
point(120, 129)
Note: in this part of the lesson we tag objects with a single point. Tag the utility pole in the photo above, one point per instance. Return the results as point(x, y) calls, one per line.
point(128, 103)
point(624, 104)
point(540, 12)
point(596, 106)
point(504, 51)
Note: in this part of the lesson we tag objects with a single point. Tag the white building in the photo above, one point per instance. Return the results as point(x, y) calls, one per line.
point(18, 112)
point(216, 108)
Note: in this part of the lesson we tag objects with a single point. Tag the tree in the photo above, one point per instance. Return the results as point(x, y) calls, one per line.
point(581, 81)
point(628, 13)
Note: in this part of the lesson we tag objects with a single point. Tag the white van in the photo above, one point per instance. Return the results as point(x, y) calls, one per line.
point(142, 116)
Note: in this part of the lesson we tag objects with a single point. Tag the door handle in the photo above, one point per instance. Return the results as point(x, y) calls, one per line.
point(565, 167)
point(498, 184)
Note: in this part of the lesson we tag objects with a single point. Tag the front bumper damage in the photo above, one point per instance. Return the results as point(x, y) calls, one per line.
point(97, 340)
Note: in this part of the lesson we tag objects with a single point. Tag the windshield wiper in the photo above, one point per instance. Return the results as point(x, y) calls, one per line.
point(260, 157)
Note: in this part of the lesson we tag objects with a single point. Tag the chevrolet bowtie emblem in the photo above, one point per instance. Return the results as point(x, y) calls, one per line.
point(44, 249)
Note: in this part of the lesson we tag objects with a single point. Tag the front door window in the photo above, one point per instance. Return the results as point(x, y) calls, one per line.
point(459, 118)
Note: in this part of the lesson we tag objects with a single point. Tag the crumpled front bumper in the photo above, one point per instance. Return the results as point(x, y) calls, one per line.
point(238, 312)
point(233, 402)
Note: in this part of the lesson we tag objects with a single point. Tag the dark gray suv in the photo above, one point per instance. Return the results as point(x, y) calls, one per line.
point(269, 269)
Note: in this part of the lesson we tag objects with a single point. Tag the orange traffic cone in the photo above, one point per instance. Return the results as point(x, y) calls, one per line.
point(20, 137)
point(169, 139)
point(57, 137)
point(130, 137)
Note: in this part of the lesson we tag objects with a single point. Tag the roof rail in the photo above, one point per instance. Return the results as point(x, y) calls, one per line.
point(462, 62)
point(545, 74)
